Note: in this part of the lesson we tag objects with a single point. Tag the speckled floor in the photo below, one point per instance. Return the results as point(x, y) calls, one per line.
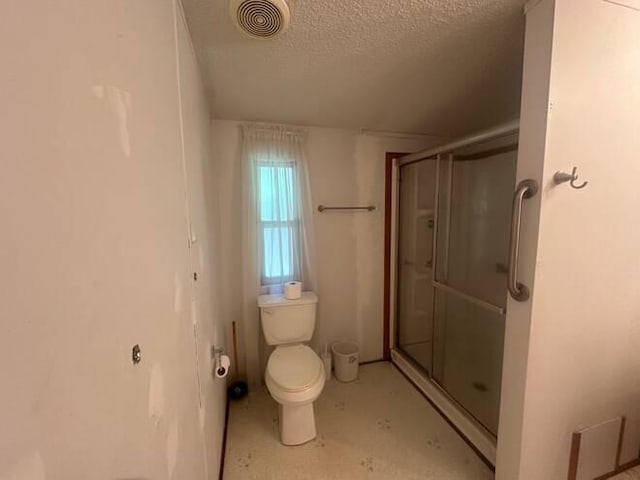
point(378, 427)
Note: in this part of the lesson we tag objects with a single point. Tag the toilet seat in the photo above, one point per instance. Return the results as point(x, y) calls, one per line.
point(294, 368)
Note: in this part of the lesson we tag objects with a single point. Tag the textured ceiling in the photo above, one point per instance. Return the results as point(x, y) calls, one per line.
point(442, 67)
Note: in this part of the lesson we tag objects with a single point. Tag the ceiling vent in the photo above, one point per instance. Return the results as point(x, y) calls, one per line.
point(260, 18)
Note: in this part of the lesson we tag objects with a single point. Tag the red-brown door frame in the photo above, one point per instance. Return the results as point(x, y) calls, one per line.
point(388, 204)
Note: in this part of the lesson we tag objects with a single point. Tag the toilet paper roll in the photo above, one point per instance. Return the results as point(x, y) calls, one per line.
point(292, 290)
point(222, 366)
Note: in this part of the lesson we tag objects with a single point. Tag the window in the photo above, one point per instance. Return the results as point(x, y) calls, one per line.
point(278, 222)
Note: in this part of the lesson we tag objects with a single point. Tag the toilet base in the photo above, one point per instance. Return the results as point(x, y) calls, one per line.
point(297, 423)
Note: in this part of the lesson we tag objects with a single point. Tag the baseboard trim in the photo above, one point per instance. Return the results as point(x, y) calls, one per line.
point(620, 469)
point(368, 362)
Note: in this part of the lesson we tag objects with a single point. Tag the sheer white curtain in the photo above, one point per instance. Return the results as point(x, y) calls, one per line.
point(277, 226)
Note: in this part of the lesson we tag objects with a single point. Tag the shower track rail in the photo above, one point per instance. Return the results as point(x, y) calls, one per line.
point(503, 130)
point(438, 153)
point(472, 432)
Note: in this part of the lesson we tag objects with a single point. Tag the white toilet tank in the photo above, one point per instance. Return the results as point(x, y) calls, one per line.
point(287, 321)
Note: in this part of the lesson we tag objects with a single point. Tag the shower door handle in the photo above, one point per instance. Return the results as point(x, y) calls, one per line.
point(430, 226)
point(526, 189)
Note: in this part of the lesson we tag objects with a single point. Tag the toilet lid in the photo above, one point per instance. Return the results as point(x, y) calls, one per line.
point(294, 368)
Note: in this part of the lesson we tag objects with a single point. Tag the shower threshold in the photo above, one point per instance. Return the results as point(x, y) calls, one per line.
point(478, 437)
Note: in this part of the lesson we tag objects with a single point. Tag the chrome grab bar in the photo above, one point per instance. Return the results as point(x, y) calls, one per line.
point(526, 189)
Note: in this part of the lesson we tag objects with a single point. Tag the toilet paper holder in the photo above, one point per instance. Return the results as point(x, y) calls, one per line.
point(221, 362)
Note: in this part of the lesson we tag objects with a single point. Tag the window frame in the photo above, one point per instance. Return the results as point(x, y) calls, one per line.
point(293, 225)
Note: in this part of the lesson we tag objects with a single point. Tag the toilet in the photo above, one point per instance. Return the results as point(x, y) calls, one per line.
point(295, 374)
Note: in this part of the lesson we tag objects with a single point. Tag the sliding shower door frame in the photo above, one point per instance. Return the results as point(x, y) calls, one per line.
point(479, 437)
point(469, 428)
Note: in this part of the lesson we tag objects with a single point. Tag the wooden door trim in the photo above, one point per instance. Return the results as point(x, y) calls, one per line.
point(388, 205)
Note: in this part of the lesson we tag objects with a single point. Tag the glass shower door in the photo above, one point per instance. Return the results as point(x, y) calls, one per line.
point(470, 279)
point(416, 222)
point(454, 217)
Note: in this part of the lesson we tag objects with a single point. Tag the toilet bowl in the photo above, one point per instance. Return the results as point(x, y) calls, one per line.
point(295, 378)
point(295, 374)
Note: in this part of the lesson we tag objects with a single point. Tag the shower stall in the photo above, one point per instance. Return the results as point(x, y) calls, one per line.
point(451, 217)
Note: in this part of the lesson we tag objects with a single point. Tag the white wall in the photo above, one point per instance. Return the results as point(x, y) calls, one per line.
point(345, 168)
point(348, 169)
point(203, 213)
point(93, 199)
point(581, 100)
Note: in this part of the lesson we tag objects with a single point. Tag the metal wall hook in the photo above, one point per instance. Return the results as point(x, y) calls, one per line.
point(136, 354)
point(562, 177)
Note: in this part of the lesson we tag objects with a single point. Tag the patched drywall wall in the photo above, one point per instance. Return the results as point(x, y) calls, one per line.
point(206, 318)
point(100, 183)
point(345, 168)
